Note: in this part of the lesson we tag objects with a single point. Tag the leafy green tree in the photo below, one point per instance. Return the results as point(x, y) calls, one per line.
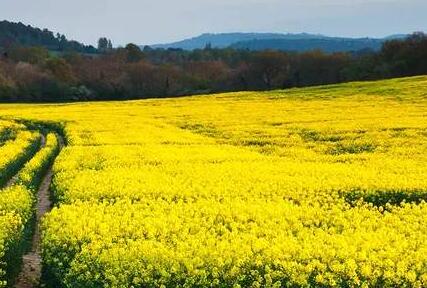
point(134, 53)
point(104, 45)
point(33, 55)
point(60, 69)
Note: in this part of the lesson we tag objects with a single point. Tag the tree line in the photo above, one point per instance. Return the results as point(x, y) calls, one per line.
point(12, 33)
point(35, 74)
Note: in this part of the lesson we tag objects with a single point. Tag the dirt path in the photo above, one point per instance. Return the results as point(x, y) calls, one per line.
point(32, 267)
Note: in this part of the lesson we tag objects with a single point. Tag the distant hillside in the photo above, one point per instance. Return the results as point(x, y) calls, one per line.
point(17, 33)
point(224, 40)
point(396, 37)
point(328, 45)
point(285, 42)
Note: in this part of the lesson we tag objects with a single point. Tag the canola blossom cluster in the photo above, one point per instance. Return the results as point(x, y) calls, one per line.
point(17, 203)
point(17, 145)
point(314, 187)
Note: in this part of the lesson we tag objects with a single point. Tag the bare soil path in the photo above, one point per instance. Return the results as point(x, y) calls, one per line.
point(31, 272)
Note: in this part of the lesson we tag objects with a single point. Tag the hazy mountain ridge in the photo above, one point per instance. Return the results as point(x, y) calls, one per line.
point(302, 45)
point(223, 40)
point(279, 41)
point(12, 33)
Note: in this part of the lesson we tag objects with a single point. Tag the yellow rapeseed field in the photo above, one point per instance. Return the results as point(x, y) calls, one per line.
point(314, 187)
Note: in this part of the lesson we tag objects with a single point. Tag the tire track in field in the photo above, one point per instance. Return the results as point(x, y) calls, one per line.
point(31, 271)
point(13, 180)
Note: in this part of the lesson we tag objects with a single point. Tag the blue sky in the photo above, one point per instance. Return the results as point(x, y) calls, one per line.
point(160, 21)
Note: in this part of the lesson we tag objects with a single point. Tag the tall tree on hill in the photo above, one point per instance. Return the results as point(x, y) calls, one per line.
point(104, 45)
point(133, 52)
